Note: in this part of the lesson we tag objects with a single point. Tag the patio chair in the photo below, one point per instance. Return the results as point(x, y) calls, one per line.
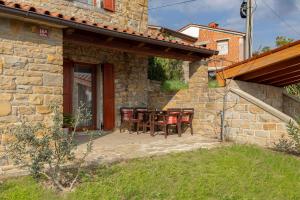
point(170, 118)
point(140, 114)
point(187, 117)
point(126, 118)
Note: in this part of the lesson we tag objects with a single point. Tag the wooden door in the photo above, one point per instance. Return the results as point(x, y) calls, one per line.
point(67, 86)
point(108, 97)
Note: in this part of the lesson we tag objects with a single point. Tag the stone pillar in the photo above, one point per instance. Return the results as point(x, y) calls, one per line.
point(186, 71)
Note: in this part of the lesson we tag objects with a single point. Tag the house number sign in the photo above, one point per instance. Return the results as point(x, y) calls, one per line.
point(44, 32)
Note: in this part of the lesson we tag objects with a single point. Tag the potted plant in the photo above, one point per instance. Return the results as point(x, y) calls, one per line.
point(68, 122)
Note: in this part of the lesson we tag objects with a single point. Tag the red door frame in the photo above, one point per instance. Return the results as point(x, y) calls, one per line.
point(68, 77)
point(108, 97)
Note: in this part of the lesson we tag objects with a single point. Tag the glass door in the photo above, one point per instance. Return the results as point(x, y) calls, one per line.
point(84, 92)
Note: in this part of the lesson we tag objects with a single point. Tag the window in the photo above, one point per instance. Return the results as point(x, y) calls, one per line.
point(109, 5)
point(88, 2)
point(222, 47)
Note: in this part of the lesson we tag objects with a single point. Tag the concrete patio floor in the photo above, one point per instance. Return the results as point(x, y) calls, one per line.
point(116, 146)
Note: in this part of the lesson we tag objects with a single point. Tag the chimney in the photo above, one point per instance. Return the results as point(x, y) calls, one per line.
point(213, 25)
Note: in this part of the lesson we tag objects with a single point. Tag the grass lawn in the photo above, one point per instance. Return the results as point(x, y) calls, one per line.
point(237, 172)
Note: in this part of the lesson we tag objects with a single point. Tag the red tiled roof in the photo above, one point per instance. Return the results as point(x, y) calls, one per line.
point(46, 12)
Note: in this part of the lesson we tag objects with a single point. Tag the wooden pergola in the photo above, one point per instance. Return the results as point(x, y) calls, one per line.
point(279, 67)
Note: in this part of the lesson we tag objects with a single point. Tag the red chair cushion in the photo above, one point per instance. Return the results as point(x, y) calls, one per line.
point(185, 118)
point(127, 114)
point(172, 120)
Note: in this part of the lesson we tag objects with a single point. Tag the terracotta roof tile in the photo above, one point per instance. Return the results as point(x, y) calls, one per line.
point(43, 11)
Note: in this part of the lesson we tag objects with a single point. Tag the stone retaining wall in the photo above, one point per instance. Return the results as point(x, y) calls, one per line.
point(246, 122)
point(196, 96)
point(291, 105)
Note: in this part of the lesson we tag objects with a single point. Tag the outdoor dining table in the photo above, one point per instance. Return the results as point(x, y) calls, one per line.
point(155, 116)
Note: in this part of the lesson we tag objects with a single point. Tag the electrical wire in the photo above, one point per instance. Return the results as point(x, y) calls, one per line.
point(172, 4)
point(280, 18)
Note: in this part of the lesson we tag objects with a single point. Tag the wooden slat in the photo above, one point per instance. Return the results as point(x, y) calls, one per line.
point(128, 46)
point(285, 77)
point(259, 63)
point(285, 80)
point(276, 75)
point(270, 71)
point(286, 83)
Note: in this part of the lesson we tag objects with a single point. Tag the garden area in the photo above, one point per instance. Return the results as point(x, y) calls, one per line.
point(234, 172)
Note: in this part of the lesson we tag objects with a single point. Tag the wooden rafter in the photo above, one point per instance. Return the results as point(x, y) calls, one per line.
point(93, 39)
point(279, 67)
point(262, 62)
point(271, 71)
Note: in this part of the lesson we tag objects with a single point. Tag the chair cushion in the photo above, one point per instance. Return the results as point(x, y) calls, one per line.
point(185, 118)
point(172, 120)
point(127, 114)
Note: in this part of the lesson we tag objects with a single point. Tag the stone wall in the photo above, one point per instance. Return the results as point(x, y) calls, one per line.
point(194, 97)
point(30, 72)
point(245, 121)
point(131, 77)
point(291, 105)
point(268, 94)
point(131, 14)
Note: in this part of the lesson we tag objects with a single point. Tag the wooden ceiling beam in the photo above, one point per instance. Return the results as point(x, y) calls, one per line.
point(270, 71)
point(127, 46)
point(285, 77)
point(262, 62)
point(277, 74)
point(290, 79)
point(286, 83)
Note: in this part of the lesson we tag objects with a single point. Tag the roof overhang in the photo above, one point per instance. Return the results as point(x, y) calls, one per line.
point(108, 37)
point(279, 67)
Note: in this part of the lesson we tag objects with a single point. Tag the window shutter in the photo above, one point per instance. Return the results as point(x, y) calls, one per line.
point(109, 5)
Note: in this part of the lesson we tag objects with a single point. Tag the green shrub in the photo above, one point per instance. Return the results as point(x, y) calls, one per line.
point(213, 83)
point(46, 149)
point(293, 90)
point(162, 69)
point(173, 86)
point(292, 143)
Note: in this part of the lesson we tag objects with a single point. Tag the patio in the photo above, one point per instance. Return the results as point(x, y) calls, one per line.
point(116, 146)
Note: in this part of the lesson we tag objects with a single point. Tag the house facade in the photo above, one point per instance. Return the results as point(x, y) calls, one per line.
point(230, 44)
point(73, 52)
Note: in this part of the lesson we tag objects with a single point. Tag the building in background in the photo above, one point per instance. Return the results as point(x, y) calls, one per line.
point(229, 43)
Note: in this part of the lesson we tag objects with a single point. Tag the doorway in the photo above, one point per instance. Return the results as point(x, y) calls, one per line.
point(93, 86)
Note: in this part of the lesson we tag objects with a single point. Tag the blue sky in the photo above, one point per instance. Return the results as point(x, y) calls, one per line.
point(267, 25)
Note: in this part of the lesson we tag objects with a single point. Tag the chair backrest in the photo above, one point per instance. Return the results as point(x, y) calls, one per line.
point(139, 112)
point(126, 113)
point(188, 114)
point(173, 115)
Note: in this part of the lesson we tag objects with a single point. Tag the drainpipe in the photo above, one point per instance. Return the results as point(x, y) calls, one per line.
point(223, 117)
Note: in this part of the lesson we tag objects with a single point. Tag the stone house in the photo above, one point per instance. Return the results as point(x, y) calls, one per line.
point(69, 52)
point(97, 52)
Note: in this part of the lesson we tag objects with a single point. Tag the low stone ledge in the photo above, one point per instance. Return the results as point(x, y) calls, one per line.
point(266, 107)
